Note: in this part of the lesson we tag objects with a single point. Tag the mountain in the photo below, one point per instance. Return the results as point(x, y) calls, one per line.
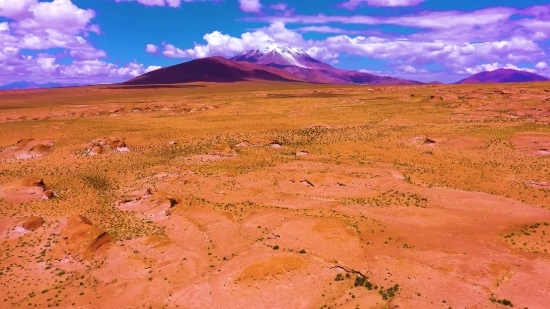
point(503, 76)
point(304, 67)
point(281, 57)
point(33, 85)
point(212, 69)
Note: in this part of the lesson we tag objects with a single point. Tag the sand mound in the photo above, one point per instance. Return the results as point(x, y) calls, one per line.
point(254, 143)
point(270, 269)
point(32, 223)
point(28, 148)
point(23, 142)
point(115, 143)
point(40, 149)
point(156, 205)
point(79, 239)
point(23, 190)
point(223, 150)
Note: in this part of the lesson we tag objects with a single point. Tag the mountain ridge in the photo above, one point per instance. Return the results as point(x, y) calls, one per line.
point(20, 85)
point(302, 65)
point(503, 76)
point(212, 69)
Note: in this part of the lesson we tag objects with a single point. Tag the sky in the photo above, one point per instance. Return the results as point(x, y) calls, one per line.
point(107, 41)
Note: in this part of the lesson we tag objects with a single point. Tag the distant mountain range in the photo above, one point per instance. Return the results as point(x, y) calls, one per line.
point(33, 85)
point(503, 76)
point(275, 63)
point(279, 63)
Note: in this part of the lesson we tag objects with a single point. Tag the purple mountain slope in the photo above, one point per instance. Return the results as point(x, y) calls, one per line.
point(297, 62)
point(503, 76)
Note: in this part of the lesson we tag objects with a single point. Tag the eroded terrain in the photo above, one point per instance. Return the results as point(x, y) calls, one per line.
point(273, 195)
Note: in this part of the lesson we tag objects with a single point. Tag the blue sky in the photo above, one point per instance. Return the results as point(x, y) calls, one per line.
point(94, 41)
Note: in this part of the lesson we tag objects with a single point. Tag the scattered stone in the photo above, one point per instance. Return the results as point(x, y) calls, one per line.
point(96, 150)
point(48, 195)
point(276, 145)
point(429, 142)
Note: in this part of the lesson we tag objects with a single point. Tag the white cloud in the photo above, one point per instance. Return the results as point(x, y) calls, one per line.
point(541, 66)
point(410, 54)
point(152, 68)
point(171, 3)
point(352, 4)
point(250, 6)
point(16, 9)
point(150, 48)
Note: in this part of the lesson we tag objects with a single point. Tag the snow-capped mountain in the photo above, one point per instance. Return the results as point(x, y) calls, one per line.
point(281, 56)
point(297, 62)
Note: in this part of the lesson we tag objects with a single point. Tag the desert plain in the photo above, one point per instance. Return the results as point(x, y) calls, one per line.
point(275, 195)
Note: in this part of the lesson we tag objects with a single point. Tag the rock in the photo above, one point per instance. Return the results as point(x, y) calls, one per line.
point(79, 239)
point(98, 149)
point(32, 223)
point(23, 142)
point(429, 142)
point(276, 145)
point(48, 195)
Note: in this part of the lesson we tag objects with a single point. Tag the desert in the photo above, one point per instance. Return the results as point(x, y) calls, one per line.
point(270, 154)
point(374, 197)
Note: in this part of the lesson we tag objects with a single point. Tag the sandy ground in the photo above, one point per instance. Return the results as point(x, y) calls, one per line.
point(271, 195)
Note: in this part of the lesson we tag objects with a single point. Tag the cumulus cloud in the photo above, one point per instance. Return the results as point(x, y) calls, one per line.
point(541, 66)
point(250, 6)
point(352, 4)
point(152, 68)
point(410, 53)
point(16, 9)
point(409, 69)
point(151, 48)
point(219, 44)
point(34, 25)
point(44, 68)
point(170, 3)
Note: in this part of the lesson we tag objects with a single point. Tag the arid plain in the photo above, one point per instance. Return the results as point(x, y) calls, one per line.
point(275, 195)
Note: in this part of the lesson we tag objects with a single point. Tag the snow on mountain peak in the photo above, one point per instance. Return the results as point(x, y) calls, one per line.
point(283, 49)
point(280, 56)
